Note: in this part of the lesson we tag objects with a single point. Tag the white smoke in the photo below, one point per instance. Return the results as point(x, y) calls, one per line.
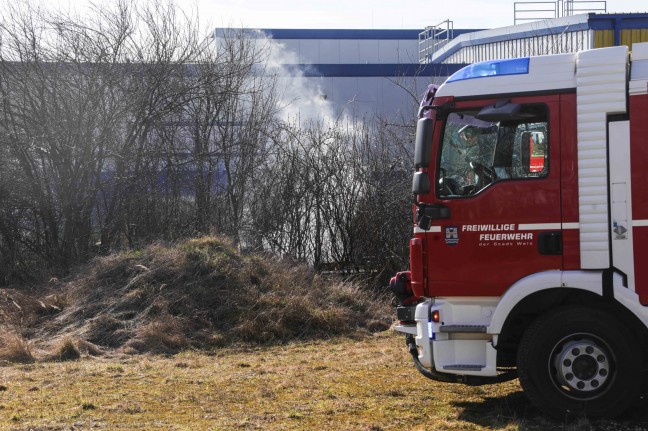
point(303, 99)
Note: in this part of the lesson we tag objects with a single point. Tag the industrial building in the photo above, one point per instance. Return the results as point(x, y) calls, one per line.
point(549, 36)
point(365, 73)
point(359, 73)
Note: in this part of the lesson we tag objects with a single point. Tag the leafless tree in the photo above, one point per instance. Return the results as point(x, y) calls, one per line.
point(337, 195)
point(80, 99)
point(127, 126)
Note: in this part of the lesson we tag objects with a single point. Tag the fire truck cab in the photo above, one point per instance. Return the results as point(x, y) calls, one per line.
point(529, 256)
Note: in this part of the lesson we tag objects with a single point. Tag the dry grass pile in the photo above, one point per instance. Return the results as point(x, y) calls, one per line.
point(201, 293)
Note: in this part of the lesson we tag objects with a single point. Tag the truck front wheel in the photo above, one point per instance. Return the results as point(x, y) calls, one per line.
point(579, 361)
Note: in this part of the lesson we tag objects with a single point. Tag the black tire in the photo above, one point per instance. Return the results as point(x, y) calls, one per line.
point(579, 361)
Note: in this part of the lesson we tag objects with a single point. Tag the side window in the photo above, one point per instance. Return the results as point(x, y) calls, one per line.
point(476, 153)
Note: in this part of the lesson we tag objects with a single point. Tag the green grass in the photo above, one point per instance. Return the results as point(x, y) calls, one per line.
point(366, 384)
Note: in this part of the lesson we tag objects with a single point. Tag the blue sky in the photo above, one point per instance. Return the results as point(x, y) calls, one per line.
point(362, 14)
point(376, 13)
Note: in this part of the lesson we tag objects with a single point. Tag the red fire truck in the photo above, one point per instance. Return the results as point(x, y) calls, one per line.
point(531, 220)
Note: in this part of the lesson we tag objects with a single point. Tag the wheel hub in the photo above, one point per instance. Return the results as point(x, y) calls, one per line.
point(582, 366)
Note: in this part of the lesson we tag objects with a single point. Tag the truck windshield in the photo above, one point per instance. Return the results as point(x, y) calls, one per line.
point(476, 153)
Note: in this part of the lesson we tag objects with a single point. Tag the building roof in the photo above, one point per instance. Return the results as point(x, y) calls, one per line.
point(547, 27)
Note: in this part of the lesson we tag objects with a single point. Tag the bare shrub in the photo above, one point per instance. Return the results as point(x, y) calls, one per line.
point(67, 350)
point(14, 348)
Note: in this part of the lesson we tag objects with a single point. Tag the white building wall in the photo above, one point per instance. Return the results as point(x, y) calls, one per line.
point(350, 51)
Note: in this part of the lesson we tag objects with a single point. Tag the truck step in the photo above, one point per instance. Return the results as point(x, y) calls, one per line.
point(462, 367)
point(463, 328)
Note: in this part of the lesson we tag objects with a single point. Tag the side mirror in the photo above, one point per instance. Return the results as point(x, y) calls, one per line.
point(538, 152)
point(421, 183)
point(525, 151)
point(423, 142)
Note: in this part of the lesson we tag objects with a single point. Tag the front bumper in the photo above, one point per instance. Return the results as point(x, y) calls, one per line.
point(417, 323)
point(456, 349)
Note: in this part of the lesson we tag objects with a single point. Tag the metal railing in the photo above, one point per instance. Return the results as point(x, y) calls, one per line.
point(527, 11)
point(433, 38)
point(571, 7)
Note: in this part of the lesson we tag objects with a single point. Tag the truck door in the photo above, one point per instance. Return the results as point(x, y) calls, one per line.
point(498, 171)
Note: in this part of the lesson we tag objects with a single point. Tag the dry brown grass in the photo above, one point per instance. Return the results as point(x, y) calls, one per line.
point(67, 351)
point(366, 384)
point(200, 293)
point(162, 335)
point(14, 348)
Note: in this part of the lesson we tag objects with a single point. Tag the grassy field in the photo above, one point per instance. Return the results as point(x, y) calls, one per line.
point(365, 384)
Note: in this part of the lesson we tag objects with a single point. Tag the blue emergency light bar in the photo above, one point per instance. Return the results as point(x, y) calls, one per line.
point(513, 66)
